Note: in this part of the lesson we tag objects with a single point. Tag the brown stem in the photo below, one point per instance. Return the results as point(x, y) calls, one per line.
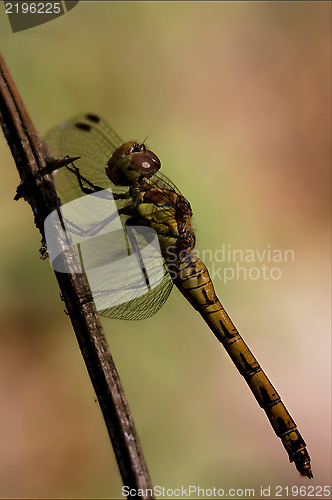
point(33, 160)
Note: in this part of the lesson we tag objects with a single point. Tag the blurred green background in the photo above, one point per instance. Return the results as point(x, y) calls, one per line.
point(235, 99)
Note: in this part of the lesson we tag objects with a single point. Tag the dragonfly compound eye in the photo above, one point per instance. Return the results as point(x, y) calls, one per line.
point(147, 163)
point(130, 162)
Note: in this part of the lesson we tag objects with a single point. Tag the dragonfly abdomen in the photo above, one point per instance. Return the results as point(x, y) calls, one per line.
point(194, 282)
point(144, 197)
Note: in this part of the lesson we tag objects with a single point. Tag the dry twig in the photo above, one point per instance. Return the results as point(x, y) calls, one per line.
point(34, 161)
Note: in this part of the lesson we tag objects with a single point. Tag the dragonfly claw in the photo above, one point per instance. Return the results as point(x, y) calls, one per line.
point(52, 165)
point(57, 163)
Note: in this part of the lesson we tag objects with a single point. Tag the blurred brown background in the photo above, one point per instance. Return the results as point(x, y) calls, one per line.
point(235, 100)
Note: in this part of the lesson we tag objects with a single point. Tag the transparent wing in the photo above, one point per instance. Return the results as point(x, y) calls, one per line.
point(90, 138)
point(120, 287)
point(136, 291)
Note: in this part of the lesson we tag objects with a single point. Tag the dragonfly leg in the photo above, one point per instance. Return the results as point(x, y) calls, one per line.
point(194, 282)
point(96, 228)
point(133, 242)
point(22, 189)
point(93, 188)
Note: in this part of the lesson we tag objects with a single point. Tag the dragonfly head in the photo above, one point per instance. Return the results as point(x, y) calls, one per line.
point(130, 162)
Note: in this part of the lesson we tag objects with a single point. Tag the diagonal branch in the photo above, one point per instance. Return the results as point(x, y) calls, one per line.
point(33, 160)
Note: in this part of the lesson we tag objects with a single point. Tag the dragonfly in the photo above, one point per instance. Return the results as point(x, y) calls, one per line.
point(129, 173)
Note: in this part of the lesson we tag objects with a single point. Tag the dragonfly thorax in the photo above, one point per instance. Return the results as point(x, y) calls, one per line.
point(130, 162)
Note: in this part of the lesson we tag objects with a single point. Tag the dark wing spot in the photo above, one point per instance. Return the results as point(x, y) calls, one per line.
point(83, 126)
point(93, 118)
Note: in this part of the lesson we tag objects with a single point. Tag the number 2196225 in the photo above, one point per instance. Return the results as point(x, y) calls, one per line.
point(303, 491)
point(33, 8)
